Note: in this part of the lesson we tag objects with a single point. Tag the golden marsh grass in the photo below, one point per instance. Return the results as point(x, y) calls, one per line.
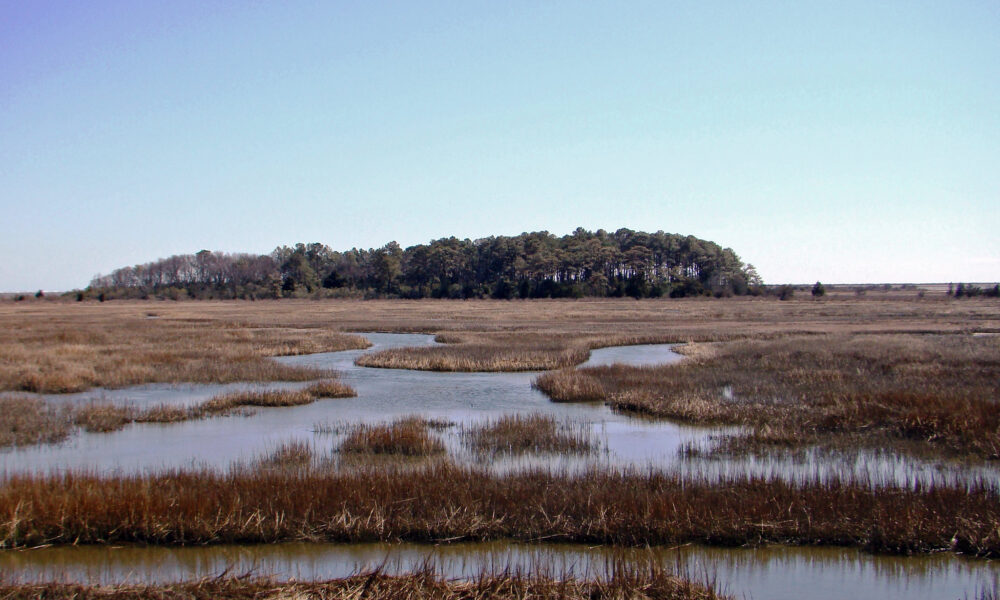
point(941, 391)
point(441, 502)
point(69, 346)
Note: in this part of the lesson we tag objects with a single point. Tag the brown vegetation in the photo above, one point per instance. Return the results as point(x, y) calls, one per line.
point(27, 421)
point(404, 437)
point(499, 352)
point(942, 390)
point(514, 434)
point(569, 385)
point(293, 454)
point(103, 416)
point(33, 420)
point(627, 582)
point(67, 348)
point(444, 502)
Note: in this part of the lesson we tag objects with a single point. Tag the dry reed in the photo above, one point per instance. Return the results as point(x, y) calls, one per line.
point(61, 347)
point(445, 502)
point(405, 437)
point(26, 421)
point(65, 348)
point(629, 581)
point(940, 391)
point(103, 416)
point(292, 454)
point(515, 434)
point(33, 420)
point(500, 352)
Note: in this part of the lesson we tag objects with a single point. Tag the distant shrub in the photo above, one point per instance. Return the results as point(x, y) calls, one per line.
point(818, 290)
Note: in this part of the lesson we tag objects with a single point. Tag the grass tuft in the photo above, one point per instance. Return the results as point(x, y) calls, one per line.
point(28, 421)
point(404, 437)
point(516, 434)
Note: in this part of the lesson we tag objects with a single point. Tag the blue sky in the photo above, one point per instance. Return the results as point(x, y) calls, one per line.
point(834, 141)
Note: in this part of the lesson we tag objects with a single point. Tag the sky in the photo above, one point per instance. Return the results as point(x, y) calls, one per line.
point(843, 141)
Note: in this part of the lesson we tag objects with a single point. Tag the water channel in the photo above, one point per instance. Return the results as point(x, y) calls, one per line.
point(465, 399)
point(775, 573)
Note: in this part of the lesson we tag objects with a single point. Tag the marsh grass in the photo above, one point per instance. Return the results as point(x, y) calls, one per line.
point(28, 421)
point(104, 416)
point(627, 581)
point(940, 392)
point(64, 348)
point(70, 346)
point(446, 502)
point(568, 385)
point(291, 454)
point(329, 388)
point(518, 434)
point(224, 403)
point(499, 352)
point(409, 436)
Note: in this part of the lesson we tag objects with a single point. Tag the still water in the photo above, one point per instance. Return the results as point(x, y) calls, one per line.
point(773, 573)
point(462, 398)
point(465, 399)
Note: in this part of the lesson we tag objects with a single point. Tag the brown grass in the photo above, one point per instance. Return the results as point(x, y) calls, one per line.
point(293, 454)
point(329, 388)
point(940, 391)
point(629, 581)
point(500, 352)
point(101, 416)
point(443, 502)
point(515, 434)
point(28, 421)
point(569, 385)
point(258, 398)
point(66, 348)
point(61, 347)
point(404, 437)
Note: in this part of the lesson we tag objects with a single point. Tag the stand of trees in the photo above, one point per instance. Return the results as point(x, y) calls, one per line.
point(530, 265)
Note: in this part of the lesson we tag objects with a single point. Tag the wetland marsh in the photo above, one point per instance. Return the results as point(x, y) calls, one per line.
point(920, 496)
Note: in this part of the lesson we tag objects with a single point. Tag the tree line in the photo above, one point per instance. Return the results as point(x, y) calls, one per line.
point(530, 265)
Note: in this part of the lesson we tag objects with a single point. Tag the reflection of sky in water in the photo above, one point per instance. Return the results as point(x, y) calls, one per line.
point(464, 398)
point(773, 573)
point(467, 398)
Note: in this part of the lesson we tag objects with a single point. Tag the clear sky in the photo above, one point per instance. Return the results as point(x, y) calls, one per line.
point(837, 141)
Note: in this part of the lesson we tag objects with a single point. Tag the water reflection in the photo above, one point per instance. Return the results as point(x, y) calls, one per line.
point(463, 398)
point(776, 572)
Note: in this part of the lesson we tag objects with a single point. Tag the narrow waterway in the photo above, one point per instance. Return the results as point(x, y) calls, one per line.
point(462, 398)
point(466, 399)
point(772, 573)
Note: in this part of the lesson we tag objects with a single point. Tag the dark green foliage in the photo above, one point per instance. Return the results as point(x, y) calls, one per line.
point(818, 290)
point(967, 290)
point(530, 265)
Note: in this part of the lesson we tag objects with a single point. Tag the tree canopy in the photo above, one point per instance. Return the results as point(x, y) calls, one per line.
point(531, 265)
